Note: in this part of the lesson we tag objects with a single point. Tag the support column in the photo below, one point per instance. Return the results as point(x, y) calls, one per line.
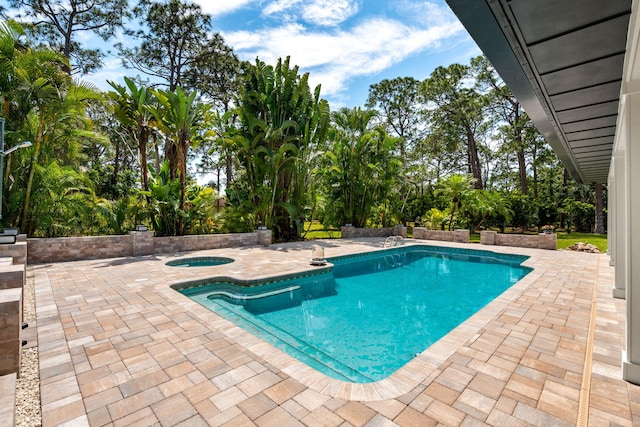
point(631, 359)
point(611, 208)
point(620, 212)
point(142, 243)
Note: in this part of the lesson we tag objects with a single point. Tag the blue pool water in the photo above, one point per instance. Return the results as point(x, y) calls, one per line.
point(372, 313)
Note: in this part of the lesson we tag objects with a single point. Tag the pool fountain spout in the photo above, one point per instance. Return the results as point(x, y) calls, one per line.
point(393, 241)
point(317, 255)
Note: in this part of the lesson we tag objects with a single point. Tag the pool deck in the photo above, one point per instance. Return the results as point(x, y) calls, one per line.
point(118, 346)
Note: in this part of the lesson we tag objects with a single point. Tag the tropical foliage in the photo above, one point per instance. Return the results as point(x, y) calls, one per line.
point(359, 170)
point(453, 150)
point(281, 126)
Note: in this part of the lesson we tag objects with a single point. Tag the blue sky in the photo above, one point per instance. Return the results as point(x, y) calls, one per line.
point(345, 45)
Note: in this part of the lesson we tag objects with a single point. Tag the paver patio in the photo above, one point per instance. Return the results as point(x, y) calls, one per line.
point(118, 346)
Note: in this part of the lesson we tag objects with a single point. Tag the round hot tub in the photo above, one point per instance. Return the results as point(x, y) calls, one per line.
point(205, 261)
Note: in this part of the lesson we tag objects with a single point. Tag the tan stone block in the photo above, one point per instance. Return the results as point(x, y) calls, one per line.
point(10, 355)
point(12, 276)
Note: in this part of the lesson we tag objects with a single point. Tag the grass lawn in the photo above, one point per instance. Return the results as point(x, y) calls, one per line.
point(315, 230)
point(599, 240)
point(318, 231)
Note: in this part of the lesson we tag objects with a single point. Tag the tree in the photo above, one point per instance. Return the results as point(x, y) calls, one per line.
point(174, 43)
point(457, 111)
point(133, 106)
point(57, 24)
point(10, 32)
point(402, 110)
point(164, 195)
point(63, 201)
point(359, 167)
point(455, 188)
point(599, 210)
point(400, 103)
point(182, 120)
point(508, 111)
point(57, 104)
point(112, 161)
point(483, 207)
point(216, 73)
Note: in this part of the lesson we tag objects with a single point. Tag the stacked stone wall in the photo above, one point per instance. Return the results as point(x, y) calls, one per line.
point(539, 241)
point(137, 243)
point(458, 236)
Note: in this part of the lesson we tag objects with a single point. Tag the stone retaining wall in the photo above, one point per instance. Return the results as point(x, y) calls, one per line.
point(8, 399)
point(10, 330)
point(137, 243)
point(458, 236)
point(540, 241)
point(351, 232)
point(17, 251)
point(165, 245)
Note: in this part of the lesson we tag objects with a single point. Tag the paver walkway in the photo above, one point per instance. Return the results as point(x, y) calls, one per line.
point(119, 347)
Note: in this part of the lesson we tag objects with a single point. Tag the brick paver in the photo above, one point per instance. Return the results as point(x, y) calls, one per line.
point(118, 346)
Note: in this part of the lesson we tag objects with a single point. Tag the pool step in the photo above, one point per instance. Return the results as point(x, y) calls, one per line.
point(252, 296)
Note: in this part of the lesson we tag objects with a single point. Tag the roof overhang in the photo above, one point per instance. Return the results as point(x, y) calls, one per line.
point(563, 60)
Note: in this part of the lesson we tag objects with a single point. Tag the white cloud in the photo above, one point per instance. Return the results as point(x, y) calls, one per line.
point(112, 71)
point(425, 13)
point(222, 7)
point(335, 57)
point(316, 12)
point(329, 12)
point(280, 6)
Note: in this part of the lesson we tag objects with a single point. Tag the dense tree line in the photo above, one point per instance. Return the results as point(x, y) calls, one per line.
point(454, 150)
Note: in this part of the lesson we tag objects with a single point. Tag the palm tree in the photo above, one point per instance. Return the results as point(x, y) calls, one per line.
point(484, 205)
point(181, 119)
point(54, 100)
point(455, 188)
point(132, 109)
point(9, 34)
point(359, 168)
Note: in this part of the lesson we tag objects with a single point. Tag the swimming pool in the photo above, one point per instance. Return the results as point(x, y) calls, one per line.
point(370, 314)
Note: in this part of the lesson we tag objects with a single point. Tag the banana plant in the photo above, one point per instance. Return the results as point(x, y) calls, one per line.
point(281, 125)
point(164, 194)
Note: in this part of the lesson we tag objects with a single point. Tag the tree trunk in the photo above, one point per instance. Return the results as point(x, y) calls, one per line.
point(535, 176)
point(522, 172)
point(229, 170)
point(599, 203)
point(171, 154)
point(142, 147)
point(563, 195)
point(181, 152)
point(116, 170)
point(522, 164)
point(474, 160)
point(32, 172)
point(66, 49)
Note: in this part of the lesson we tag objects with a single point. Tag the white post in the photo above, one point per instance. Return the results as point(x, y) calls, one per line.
point(631, 358)
point(611, 208)
point(620, 212)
